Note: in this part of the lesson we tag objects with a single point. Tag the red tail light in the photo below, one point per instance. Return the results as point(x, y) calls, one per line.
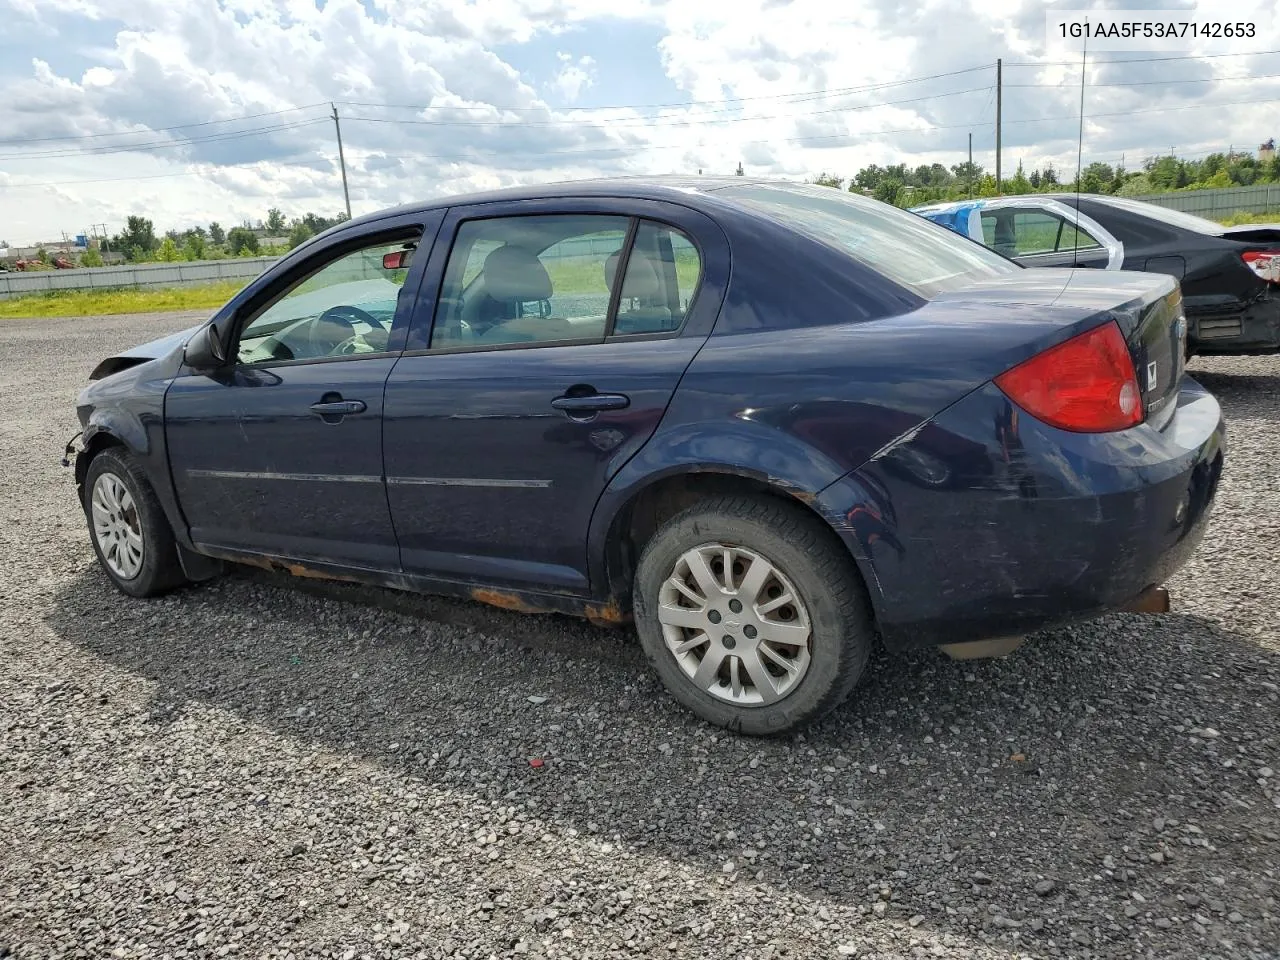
point(1086, 384)
point(1265, 263)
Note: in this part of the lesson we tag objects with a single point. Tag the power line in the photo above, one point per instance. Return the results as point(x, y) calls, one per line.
point(802, 97)
point(631, 149)
point(1204, 56)
point(1142, 83)
point(673, 123)
point(154, 130)
point(165, 144)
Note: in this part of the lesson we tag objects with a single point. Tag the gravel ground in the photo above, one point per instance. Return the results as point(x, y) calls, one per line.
point(267, 768)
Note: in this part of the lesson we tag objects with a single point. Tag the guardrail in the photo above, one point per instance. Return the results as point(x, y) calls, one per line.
point(178, 274)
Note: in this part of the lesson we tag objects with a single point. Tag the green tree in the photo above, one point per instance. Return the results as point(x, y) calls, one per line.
point(91, 258)
point(1138, 185)
point(168, 251)
point(1019, 182)
point(825, 179)
point(868, 178)
point(242, 239)
point(1034, 179)
point(139, 234)
point(300, 234)
point(217, 234)
point(967, 173)
point(275, 222)
point(194, 248)
point(889, 190)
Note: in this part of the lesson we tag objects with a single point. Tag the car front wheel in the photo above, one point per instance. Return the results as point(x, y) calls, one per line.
point(752, 614)
point(129, 530)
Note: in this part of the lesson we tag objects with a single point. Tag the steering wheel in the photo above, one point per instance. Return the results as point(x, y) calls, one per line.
point(335, 327)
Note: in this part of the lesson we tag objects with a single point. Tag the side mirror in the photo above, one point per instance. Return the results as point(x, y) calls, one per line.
point(204, 350)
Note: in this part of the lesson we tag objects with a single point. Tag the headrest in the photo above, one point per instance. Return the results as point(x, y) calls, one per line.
point(642, 277)
point(513, 274)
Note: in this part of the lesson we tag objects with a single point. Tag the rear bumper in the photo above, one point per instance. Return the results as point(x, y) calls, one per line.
point(987, 523)
point(1254, 331)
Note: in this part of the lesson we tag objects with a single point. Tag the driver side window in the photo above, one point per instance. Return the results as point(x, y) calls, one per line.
point(345, 308)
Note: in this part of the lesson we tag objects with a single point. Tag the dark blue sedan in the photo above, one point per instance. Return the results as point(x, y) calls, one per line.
point(770, 422)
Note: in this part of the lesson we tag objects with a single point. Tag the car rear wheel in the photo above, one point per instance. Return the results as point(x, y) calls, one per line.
point(752, 614)
point(130, 533)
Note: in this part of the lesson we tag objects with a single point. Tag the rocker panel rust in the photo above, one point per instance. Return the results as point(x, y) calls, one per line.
point(602, 614)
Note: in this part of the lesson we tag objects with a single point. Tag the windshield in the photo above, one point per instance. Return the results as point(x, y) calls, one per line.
point(922, 256)
point(1174, 218)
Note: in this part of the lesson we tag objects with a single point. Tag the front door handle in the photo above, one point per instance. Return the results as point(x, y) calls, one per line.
point(332, 411)
point(591, 403)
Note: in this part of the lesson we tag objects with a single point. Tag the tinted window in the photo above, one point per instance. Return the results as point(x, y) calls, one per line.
point(1174, 218)
point(528, 280)
point(922, 256)
point(1023, 233)
point(662, 276)
point(344, 308)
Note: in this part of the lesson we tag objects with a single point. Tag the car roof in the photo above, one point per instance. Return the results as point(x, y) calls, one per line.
point(680, 188)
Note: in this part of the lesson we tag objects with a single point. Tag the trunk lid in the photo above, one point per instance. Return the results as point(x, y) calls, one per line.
point(1146, 306)
point(1266, 234)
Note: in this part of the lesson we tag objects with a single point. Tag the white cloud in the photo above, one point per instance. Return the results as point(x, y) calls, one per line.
point(787, 88)
point(573, 77)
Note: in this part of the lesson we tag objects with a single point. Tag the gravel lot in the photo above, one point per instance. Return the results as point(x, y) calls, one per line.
point(268, 768)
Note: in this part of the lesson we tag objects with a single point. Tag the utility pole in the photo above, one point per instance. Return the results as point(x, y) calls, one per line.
point(342, 161)
point(969, 172)
point(999, 104)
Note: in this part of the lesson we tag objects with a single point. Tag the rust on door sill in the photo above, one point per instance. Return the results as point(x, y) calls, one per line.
point(606, 615)
point(506, 601)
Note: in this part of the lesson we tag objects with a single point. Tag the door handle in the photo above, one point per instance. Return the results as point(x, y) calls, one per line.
point(339, 406)
point(331, 411)
point(592, 403)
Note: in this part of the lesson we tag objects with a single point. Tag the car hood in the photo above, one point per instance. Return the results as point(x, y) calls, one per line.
point(151, 350)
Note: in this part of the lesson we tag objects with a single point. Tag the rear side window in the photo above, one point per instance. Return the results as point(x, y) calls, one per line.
point(910, 250)
point(528, 280)
point(1025, 233)
point(662, 276)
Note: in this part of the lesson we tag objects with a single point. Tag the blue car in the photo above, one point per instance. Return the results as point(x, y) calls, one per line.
point(772, 424)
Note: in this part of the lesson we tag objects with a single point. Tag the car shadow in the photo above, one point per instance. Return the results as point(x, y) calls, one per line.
point(1019, 771)
point(1242, 395)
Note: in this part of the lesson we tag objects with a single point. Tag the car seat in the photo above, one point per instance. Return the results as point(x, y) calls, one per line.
point(1004, 239)
point(643, 284)
point(511, 277)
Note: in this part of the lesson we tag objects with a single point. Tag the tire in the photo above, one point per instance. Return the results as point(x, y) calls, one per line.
point(141, 522)
point(805, 561)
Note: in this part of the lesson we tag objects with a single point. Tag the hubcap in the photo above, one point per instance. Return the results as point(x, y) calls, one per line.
point(735, 624)
point(117, 527)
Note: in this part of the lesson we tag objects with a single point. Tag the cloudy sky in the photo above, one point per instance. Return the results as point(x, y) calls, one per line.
point(201, 110)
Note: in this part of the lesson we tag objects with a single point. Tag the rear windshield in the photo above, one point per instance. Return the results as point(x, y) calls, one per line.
point(1174, 218)
point(922, 256)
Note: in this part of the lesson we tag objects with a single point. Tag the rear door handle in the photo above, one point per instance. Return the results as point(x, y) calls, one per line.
point(592, 403)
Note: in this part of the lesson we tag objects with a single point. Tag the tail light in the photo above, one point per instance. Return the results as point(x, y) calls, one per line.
point(1087, 384)
point(1265, 263)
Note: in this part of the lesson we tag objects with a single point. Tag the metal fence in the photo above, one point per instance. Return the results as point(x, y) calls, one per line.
point(1263, 198)
point(181, 274)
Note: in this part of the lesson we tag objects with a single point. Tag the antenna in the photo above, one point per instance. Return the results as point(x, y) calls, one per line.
point(1075, 238)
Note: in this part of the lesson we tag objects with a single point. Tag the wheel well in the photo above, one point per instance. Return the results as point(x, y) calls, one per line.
point(98, 442)
point(641, 517)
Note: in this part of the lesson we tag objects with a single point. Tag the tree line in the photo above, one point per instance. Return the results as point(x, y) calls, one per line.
point(139, 242)
point(933, 183)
